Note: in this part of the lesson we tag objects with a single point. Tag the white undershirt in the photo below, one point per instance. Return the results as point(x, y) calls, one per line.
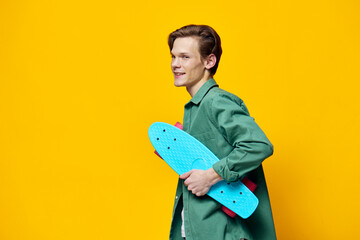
point(182, 224)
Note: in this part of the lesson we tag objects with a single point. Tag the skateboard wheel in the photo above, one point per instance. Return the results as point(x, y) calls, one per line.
point(249, 184)
point(228, 211)
point(179, 125)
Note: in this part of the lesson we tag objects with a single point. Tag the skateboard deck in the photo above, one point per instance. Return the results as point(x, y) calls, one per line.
point(182, 153)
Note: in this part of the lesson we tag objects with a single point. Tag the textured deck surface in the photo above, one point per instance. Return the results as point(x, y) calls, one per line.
point(182, 152)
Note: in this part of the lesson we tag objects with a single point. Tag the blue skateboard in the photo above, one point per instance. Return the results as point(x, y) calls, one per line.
point(182, 153)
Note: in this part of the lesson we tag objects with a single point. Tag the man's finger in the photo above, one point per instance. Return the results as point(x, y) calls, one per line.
point(186, 175)
point(186, 182)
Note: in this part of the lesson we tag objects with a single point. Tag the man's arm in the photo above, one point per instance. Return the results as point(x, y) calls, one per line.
point(250, 144)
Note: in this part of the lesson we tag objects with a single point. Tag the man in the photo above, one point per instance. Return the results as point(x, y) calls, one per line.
point(221, 121)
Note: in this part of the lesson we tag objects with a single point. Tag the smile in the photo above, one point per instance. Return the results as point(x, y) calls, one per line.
point(178, 74)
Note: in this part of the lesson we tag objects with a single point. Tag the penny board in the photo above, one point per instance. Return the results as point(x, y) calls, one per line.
point(182, 153)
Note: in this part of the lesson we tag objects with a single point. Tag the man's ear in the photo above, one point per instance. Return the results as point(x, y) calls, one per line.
point(210, 61)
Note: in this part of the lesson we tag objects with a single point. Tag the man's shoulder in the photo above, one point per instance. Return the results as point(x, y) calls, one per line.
point(218, 98)
point(218, 94)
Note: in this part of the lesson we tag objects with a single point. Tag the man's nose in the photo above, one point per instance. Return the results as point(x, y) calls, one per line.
point(175, 62)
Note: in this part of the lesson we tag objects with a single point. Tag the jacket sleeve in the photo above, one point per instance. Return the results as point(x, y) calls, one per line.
point(250, 145)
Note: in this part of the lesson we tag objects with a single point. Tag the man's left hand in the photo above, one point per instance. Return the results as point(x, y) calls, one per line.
point(200, 181)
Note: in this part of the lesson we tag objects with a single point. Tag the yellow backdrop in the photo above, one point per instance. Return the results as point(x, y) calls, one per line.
point(81, 81)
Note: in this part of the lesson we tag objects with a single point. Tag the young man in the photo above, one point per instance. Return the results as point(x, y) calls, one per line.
point(221, 121)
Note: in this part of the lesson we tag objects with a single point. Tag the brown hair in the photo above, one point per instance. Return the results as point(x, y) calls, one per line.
point(209, 41)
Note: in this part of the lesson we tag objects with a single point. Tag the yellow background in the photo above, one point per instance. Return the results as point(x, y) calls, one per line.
point(81, 81)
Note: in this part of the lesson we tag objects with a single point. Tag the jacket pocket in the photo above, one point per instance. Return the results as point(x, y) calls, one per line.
point(205, 136)
point(208, 139)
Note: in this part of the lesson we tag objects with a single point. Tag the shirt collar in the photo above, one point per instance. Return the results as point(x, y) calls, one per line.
point(203, 91)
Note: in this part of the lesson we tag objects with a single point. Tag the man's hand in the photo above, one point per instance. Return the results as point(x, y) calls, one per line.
point(200, 181)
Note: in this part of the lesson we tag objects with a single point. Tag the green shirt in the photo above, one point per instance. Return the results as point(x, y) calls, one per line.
point(221, 121)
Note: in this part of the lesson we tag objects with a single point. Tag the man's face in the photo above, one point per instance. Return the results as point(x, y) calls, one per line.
point(186, 64)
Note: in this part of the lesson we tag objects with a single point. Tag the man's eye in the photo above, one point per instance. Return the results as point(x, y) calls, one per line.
point(186, 57)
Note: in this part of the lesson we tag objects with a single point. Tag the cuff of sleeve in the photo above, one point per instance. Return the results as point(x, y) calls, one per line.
point(221, 168)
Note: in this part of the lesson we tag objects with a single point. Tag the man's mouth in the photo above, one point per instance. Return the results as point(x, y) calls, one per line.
point(177, 74)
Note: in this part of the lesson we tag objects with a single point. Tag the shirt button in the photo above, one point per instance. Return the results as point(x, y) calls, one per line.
point(176, 197)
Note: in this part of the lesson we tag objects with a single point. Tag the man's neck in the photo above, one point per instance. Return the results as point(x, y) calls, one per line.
point(192, 90)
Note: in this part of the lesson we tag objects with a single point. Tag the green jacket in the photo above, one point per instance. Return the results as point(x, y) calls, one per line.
point(221, 121)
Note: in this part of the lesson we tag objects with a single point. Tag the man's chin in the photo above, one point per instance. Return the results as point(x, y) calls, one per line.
point(178, 84)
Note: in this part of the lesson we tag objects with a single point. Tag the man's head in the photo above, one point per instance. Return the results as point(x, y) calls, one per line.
point(208, 41)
